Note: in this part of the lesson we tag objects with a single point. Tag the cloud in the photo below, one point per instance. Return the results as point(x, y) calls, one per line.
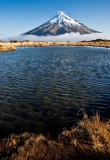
point(61, 38)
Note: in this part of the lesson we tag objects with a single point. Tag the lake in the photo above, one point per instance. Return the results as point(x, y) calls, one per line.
point(43, 89)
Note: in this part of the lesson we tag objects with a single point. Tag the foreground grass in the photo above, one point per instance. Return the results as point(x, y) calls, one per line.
point(88, 140)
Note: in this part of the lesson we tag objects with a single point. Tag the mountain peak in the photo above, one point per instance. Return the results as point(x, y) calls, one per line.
point(62, 19)
point(60, 24)
point(60, 13)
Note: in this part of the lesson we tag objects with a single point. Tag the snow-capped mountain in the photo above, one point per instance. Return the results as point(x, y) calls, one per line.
point(60, 24)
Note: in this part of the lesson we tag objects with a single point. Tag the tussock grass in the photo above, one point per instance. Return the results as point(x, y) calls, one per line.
point(89, 139)
point(46, 44)
point(7, 46)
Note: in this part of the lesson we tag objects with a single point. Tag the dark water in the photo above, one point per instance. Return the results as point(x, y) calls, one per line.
point(41, 89)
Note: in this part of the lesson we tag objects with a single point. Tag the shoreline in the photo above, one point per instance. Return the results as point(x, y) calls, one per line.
point(11, 46)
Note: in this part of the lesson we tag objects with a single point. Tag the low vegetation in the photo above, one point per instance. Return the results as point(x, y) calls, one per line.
point(88, 140)
point(7, 46)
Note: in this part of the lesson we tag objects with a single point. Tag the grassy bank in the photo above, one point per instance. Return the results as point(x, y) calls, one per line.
point(7, 46)
point(95, 43)
point(88, 140)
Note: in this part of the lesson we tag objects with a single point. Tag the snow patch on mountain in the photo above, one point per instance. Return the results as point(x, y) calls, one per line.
point(62, 18)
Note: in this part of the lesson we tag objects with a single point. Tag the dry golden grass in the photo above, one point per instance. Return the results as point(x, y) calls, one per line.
point(7, 46)
point(88, 140)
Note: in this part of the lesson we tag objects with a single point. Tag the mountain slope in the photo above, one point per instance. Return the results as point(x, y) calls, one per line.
point(60, 24)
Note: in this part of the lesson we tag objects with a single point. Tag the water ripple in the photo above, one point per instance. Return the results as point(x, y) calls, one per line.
point(41, 89)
